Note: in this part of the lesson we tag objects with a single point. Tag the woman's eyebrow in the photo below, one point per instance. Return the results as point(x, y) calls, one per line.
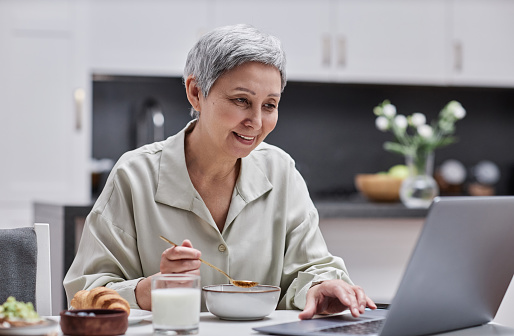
point(245, 90)
point(253, 93)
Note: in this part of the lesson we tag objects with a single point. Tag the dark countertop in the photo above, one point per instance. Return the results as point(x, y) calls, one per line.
point(359, 207)
point(344, 207)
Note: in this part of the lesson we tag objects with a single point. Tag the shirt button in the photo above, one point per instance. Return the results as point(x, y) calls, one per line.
point(222, 248)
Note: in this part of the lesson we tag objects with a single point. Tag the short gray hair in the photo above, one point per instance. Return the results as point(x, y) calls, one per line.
point(227, 47)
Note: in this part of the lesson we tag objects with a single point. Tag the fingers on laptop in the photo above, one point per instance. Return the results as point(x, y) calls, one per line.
point(333, 296)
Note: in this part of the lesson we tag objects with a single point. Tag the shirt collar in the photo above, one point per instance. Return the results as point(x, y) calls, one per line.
point(252, 182)
point(174, 186)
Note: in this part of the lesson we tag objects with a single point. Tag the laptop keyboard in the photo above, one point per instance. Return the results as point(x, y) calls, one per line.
point(364, 328)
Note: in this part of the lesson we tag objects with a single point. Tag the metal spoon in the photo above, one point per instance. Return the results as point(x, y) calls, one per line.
point(238, 283)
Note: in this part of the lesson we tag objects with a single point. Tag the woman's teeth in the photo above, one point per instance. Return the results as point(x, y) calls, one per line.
point(245, 137)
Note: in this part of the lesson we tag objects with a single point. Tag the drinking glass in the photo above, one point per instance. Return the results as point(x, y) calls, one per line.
point(176, 304)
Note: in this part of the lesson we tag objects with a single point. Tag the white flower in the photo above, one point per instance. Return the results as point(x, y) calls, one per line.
point(400, 121)
point(389, 110)
point(457, 110)
point(382, 123)
point(418, 119)
point(425, 131)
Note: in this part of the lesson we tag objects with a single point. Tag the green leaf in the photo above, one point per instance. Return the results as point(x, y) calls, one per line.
point(395, 148)
point(446, 141)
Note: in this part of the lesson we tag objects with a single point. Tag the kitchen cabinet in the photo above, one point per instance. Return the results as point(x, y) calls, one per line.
point(152, 37)
point(482, 46)
point(44, 131)
point(375, 250)
point(374, 239)
point(66, 225)
point(436, 42)
point(440, 42)
point(395, 41)
point(303, 27)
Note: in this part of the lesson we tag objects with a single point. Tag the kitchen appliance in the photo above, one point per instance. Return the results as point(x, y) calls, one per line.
point(150, 123)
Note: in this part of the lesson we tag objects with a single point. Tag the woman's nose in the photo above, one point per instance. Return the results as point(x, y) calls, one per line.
point(254, 118)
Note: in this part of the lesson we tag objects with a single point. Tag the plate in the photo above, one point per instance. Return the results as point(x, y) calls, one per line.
point(138, 315)
point(41, 329)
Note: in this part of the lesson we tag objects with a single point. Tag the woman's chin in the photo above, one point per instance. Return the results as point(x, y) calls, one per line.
point(239, 153)
point(240, 150)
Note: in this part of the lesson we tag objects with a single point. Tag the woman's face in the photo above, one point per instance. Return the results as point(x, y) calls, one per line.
point(241, 109)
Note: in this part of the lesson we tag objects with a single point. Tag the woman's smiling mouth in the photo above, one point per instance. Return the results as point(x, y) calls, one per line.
point(246, 139)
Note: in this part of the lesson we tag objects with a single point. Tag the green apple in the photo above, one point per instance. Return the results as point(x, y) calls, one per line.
point(400, 171)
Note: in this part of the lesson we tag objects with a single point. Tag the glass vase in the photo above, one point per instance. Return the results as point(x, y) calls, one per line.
point(419, 188)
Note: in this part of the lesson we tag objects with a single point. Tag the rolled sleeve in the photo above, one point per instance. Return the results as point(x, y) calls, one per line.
point(126, 289)
point(308, 260)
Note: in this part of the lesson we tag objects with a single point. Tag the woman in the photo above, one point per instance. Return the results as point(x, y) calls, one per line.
point(216, 185)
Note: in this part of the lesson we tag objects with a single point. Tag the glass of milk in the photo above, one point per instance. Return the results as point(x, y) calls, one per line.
point(176, 304)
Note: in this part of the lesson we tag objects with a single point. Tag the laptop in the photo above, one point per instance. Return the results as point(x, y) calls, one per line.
point(456, 277)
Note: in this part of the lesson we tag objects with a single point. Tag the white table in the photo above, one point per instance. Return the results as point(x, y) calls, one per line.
point(212, 326)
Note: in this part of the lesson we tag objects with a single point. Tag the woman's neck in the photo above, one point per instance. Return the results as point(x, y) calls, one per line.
point(207, 164)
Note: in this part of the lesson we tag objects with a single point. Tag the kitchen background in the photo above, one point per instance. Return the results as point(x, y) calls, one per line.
point(79, 79)
point(61, 60)
point(329, 129)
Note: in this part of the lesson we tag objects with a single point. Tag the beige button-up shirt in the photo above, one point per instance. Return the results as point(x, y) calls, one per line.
point(271, 234)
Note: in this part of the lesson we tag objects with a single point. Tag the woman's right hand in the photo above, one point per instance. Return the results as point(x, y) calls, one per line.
point(177, 259)
point(181, 259)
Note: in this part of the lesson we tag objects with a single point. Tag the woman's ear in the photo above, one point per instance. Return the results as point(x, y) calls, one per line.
point(193, 93)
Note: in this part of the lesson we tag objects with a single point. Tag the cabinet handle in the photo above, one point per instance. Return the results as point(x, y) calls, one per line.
point(326, 50)
point(79, 95)
point(341, 51)
point(457, 56)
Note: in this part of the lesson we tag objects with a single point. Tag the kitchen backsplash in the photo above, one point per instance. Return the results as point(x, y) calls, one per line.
point(329, 129)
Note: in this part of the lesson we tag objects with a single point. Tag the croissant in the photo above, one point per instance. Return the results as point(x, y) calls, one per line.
point(99, 298)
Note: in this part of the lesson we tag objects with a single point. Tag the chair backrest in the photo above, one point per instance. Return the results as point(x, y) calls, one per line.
point(43, 279)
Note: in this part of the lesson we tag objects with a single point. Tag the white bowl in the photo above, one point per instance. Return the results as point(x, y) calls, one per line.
point(229, 302)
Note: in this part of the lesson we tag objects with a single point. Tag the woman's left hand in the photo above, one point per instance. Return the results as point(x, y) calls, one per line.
point(334, 296)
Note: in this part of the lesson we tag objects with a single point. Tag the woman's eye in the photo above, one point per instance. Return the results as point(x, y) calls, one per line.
point(241, 101)
point(270, 107)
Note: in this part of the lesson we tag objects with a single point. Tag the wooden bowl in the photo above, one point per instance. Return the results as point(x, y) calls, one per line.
point(105, 322)
point(379, 187)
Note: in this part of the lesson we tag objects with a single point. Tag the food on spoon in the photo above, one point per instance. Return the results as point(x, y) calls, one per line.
point(99, 298)
point(18, 314)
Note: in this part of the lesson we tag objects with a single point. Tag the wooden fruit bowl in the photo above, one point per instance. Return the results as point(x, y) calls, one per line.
point(379, 187)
